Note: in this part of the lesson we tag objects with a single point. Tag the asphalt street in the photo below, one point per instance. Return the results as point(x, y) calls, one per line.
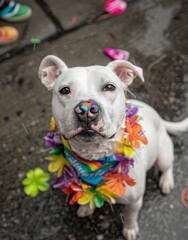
point(155, 34)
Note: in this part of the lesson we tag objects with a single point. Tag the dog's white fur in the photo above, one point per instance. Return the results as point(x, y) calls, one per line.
point(88, 83)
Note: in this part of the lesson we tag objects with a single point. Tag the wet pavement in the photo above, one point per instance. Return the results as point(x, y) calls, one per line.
point(155, 33)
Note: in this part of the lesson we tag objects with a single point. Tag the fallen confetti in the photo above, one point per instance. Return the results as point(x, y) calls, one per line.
point(116, 54)
point(35, 40)
point(115, 7)
point(184, 197)
point(35, 181)
point(74, 19)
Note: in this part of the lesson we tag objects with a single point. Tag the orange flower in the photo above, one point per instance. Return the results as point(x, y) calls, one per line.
point(132, 120)
point(76, 190)
point(116, 183)
point(134, 133)
point(75, 197)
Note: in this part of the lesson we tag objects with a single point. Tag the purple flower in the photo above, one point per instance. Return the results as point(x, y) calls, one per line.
point(52, 139)
point(130, 110)
point(124, 163)
point(68, 175)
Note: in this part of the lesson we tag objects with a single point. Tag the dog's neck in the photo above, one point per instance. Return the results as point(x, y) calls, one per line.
point(97, 149)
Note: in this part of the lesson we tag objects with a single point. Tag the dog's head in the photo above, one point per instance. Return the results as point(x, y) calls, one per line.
point(88, 102)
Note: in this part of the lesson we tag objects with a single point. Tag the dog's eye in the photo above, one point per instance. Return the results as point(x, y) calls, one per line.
point(65, 90)
point(109, 88)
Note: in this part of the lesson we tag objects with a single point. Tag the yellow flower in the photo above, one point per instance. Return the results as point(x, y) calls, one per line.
point(58, 164)
point(88, 197)
point(125, 147)
point(128, 151)
point(104, 192)
point(53, 125)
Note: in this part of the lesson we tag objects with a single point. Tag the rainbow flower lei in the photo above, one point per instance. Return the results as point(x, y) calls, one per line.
point(94, 182)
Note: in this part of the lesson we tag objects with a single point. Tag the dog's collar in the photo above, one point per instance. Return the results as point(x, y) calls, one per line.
point(95, 181)
point(91, 172)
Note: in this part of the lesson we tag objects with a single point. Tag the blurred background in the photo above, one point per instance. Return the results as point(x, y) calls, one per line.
point(155, 34)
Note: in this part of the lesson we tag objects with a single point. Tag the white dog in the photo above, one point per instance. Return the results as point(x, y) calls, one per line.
point(91, 135)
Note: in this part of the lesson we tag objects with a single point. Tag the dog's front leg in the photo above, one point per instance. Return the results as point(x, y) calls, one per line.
point(130, 227)
point(85, 211)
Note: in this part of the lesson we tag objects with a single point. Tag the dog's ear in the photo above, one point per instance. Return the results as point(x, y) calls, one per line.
point(50, 68)
point(126, 71)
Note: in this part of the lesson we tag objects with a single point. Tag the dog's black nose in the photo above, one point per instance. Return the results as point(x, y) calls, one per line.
point(87, 111)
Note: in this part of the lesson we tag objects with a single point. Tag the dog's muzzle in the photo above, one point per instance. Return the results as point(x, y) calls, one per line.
point(87, 111)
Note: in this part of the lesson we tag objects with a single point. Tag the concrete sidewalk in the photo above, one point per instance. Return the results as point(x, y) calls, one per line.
point(155, 34)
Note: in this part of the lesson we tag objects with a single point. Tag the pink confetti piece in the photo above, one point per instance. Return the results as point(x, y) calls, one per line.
point(116, 54)
point(115, 7)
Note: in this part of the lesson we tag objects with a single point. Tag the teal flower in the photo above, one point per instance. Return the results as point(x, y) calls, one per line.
point(35, 181)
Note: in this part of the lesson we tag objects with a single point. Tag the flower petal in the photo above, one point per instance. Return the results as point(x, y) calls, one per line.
point(104, 192)
point(88, 197)
point(31, 190)
point(116, 187)
point(30, 174)
point(67, 190)
point(129, 180)
point(44, 177)
point(43, 186)
point(51, 158)
point(27, 181)
point(38, 171)
point(128, 151)
point(143, 139)
point(76, 197)
point(111, 186)
point(99, 200)
point(135, 143)
point(55, 151)
point(136, 129)
point(53, 125)
point(54, 166)
point(75, 187)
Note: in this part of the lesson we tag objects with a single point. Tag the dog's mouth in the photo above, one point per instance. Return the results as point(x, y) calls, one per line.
point(88, 135)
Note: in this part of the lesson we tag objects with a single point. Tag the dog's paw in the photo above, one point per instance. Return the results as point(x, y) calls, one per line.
point(85, 211)
point(131, 233)
point(166, 182)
